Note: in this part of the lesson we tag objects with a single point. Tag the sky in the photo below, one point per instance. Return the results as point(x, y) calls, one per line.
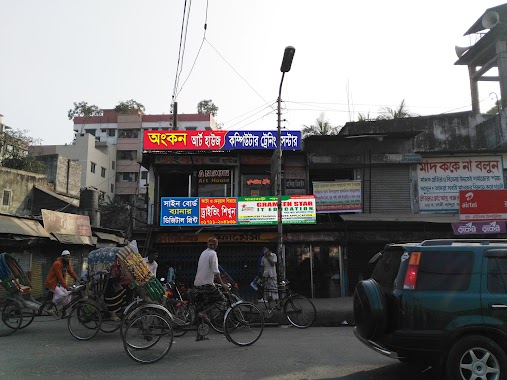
point(351, 57)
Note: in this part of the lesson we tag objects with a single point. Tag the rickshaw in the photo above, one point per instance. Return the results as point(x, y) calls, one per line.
point(20, 308)
point(115, 275)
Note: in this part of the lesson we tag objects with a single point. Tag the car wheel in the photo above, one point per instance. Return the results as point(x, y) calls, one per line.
point(476, 357)
point(370, 311)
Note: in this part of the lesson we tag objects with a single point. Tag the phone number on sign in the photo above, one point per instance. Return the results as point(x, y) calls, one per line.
point(218, 222)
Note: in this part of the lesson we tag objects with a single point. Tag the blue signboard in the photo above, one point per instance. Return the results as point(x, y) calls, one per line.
point(175, 211)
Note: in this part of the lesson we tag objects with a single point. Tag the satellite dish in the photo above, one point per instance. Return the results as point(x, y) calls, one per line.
point(490, 19)
point(460, 50)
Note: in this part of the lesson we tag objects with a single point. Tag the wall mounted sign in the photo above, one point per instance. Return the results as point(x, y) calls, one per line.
point(338, 196)
point(483, 205)
point(219, 211)
point(219, 140)
point(479, 228)
point(441, 179)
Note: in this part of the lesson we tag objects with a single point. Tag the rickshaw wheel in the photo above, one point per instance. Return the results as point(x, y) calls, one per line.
point(12, 317)
point(85, 319)
point(28, 317)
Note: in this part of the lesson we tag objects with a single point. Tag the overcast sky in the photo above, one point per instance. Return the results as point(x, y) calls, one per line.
point(351, 57)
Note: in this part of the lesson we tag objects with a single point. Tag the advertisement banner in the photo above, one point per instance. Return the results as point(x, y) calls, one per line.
point(66, 224)
point(441, 179)
point(475, 228)
point(264, 210)
point(219, 211)
point(179, 211)
point(483, 205)
point(220, 140)
point(338, 196)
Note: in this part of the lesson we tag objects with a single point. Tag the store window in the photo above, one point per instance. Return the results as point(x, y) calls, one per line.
point(255, 185)
point(214, 182)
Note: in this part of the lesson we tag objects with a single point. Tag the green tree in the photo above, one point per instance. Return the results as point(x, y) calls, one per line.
point(114, 214)
point(14, 152)
point(207, 106)
point(128, 106)
point(321, 127)
point(388, 113)
point(84, 109)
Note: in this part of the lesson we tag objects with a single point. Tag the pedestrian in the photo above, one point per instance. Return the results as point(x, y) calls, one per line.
point(269, 277)
point(171, 274)
point(150, 260)
point(208, 294)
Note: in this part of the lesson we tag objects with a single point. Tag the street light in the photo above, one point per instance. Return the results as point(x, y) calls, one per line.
point(288, 55)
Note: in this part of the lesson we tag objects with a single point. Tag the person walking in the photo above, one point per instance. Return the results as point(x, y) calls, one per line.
point(269, 277)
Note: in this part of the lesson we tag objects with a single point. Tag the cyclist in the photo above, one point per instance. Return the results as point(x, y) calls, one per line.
point(207, 274)
point(56, 275)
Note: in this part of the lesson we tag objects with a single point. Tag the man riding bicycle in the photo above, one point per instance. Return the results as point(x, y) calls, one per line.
point(55, 280)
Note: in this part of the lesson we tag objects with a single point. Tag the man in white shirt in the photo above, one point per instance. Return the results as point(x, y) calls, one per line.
point(151, 261)
point(269, 279)
point(207, 274)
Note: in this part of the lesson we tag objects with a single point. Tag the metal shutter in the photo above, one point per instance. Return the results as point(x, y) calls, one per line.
point(390, 190)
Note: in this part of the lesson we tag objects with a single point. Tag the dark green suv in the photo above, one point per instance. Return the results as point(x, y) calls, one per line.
point(441, 302)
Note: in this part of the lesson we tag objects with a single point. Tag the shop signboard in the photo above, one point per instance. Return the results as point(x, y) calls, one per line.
point(220, 140)
point(483, 205)
point(440, 180)
point(66, 224)
point(338, 196)
point(219, 211)
point(479, 228)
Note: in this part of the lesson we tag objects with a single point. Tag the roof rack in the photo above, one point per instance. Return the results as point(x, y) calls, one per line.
point(463, 241)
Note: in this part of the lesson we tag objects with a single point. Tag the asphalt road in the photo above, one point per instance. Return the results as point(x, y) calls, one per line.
point(46, 350)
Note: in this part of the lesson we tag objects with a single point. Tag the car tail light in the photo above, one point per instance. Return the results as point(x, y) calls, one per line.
point(413, 267)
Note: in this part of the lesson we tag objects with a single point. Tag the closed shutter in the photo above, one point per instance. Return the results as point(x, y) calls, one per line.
point(390, 190)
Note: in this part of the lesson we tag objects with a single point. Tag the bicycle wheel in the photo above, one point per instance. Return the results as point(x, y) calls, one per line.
point(12, 317)
point(148, 338)
point(299, 311)
point(109, 325)
point(243, 324)
point(84, 320)
point(217, 315)
point(128, 315)
point(28, 317)
point(183, 316)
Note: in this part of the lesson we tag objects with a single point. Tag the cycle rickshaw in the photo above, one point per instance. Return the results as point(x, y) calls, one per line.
point(20, 308)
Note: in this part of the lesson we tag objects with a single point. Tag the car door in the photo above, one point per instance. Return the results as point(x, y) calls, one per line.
point(494, 288)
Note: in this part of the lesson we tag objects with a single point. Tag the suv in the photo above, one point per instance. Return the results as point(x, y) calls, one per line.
point(440, 302)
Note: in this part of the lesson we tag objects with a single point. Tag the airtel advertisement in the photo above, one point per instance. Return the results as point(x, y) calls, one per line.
point(483, 205)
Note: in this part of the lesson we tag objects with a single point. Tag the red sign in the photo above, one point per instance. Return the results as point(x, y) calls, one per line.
point(483, 204)
point(217, 210)
point(184, 140)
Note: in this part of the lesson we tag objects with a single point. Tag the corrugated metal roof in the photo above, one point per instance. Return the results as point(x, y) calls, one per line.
point(111, 237)
point(21, 226)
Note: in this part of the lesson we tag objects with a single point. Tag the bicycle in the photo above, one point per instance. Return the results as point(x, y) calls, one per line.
point(83, 321)
point(298, 309)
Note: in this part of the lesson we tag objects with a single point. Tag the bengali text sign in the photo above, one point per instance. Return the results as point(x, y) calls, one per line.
point(338, 196)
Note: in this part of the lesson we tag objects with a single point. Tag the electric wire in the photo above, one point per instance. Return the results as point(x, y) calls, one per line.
point(180, 50)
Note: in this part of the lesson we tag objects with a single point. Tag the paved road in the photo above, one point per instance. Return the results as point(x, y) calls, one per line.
point(47, 350)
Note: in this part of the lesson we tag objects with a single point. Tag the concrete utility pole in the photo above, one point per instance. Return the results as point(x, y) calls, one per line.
point(288, 55)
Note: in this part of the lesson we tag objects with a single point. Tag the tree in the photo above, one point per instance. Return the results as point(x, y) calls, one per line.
point(388, 113)
point(207, 106)
point(15, 154)
point(83, 109)
point(494, 110)
point(128, 106)
point(114, 214)
point(321, 127)
point(364, 117)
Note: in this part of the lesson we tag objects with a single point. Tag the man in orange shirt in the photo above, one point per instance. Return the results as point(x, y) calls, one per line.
point(59, 269)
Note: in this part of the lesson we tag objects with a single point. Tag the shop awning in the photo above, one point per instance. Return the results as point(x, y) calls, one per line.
point(75, 239)
point(21, 226)
point(424, 218)
point(110, 237)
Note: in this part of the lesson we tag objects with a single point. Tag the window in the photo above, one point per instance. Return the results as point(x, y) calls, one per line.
point(128, 133)
point(191, 128)
point(111, 132)
point(445, 270)
point(103, 172)
point(91, 131)
point(112, 188)
point(127, 155)
point(94, 165)
point(6, 199)
point(144, 175)
point(113, 165)
point(129, 176)
point(497, 275)
point(28, 204)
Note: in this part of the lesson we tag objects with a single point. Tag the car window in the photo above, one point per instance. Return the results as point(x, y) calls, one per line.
point(387, 267)
point(497, 275)
point(445, 270)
